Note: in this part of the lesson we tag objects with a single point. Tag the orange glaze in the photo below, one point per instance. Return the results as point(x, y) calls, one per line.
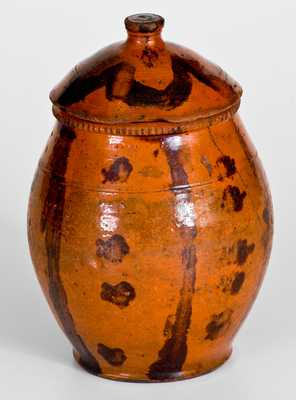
point(149, 224)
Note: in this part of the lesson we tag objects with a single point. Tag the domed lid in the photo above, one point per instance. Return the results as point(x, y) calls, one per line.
point(145, 81)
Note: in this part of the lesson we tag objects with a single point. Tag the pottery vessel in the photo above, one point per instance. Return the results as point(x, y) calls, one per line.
point(150, 218)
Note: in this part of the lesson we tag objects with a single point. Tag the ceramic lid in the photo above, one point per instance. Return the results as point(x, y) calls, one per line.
point(145, 80)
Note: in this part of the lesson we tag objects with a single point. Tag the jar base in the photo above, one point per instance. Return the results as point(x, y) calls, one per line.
point(174, 376)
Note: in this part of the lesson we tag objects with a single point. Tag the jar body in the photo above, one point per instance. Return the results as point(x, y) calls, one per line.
point(150, 250)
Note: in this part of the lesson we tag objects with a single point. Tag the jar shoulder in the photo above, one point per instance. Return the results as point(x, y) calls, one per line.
point(144, 164)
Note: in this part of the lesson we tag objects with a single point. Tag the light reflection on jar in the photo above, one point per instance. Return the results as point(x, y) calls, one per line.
point(108, 220)
point(115, 139)
point(185, 211)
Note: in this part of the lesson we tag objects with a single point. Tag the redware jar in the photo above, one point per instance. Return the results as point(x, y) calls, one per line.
point(150, 218)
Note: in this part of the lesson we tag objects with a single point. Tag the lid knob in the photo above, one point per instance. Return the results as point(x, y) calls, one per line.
point(144, 23)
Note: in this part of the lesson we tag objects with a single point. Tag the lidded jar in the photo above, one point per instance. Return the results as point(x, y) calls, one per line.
point(150, 218)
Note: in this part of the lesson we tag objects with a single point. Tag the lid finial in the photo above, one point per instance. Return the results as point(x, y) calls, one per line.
point(144, 23)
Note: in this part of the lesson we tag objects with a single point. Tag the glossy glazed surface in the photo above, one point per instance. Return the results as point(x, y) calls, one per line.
point(150, 251)
point(150, 219)
point(144, 79)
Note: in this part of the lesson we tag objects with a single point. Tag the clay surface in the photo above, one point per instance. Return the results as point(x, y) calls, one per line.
point(150, 218)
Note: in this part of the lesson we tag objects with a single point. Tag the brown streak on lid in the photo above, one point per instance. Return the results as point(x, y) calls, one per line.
point(145, 80)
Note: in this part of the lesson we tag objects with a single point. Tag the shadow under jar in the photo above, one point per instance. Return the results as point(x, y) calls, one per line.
point(150, 218)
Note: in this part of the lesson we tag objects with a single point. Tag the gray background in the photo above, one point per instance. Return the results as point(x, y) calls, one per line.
point(40, 41)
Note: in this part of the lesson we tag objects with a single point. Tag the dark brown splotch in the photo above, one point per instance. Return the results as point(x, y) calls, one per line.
point(172, 355)
point(149, 57)
point(51, 225)
point(80, 87)
point(113, 249)
point(237, 282)
point(232, 284)
point(119, 82)
point(206, 163)
point(115, 357)
point(119, 171)
point(175, 94)
point(67, 133)
point(121, 294)
point(243, 251)
point(155, 153)
point(218, 324)
point(195, 69)
point(236, 196)
point(229, 165)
